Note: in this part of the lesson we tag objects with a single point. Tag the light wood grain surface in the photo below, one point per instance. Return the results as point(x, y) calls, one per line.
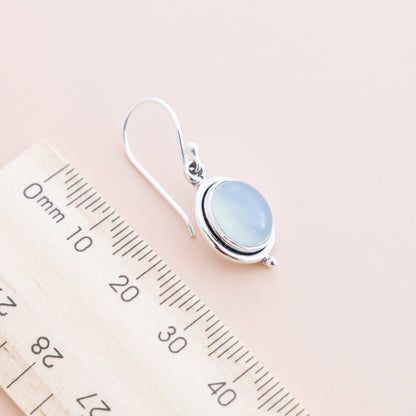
point(89, 311)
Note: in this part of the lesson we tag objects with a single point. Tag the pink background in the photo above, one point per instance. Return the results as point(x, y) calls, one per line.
point(311, 102)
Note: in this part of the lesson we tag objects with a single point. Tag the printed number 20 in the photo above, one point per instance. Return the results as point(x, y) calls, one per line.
point(129, 293)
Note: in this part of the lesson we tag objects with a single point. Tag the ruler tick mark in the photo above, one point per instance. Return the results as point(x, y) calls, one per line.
point(247, 361)
point(79, 196)
point(221, 345)
point(85, 200)
point(216, 340)
point(20, 375)
point(159, 270)
point(153, 257)
point(235, 352)
point(269, 399)
point(297, 414)
point(56, 173)
point(218, 329)
point(125, 245)
point(132, 248)
point(172, 294)
point(74, 192)
point(122, 238)
point(148, 270)
point(212, 325)
point(292, 409)
point(267, 382)
point(75, 183)
point(71, 170)
point(72, 177)
point(258, 371)
point(238, 359)
point(275, 404)
point(270, 389)
point(210, 317)
point(41, 404)
point(101, 221)
point(180, 297)
point(190, 307)
point(196, 320)
point(125, 228)
point(264, 375)
point(137, 252)
point(115, 219)
point(167, 281)
point(228, 349)
point(164, 274)
point(118, 225)
point(93, 202)
point(184, 303)
point(144, 255)
point(290, 401)
point(105, 210)
point(170, 287)
point(99, 206)
point(245, 372)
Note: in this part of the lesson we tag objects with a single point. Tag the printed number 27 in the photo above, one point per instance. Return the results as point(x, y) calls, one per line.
point(10, 303)
point(101, 407)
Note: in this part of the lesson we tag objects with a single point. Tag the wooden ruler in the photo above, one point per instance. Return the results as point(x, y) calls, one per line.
point(92, 320)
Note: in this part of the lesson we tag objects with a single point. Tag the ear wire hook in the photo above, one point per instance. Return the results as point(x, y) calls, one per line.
point(194, 170)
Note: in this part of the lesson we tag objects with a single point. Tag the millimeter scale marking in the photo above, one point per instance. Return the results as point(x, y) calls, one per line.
point(94, 322)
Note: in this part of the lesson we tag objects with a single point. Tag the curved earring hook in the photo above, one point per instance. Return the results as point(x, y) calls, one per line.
point(144, 172)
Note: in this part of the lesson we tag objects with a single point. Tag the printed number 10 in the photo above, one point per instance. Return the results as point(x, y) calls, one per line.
point(82, 243)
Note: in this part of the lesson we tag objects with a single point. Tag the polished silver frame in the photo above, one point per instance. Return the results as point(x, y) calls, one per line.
point(219, 241)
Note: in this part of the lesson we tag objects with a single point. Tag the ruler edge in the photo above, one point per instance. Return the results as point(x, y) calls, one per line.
point(43, 145)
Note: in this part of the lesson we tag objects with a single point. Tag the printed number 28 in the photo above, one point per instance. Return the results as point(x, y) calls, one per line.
point(42, 344)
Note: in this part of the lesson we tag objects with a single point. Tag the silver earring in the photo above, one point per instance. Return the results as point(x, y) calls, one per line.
point(232, 215)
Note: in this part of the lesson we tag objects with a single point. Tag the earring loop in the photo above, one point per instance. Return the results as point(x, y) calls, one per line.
point(193, 168)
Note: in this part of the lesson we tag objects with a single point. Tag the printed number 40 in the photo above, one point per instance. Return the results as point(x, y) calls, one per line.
point(226, 396)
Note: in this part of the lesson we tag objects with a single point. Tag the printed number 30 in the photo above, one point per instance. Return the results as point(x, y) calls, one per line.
point(175, 345)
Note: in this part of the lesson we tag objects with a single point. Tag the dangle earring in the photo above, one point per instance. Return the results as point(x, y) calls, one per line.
point(232, 215)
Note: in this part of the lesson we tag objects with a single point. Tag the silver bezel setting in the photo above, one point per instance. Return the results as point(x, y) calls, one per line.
point(219, 241)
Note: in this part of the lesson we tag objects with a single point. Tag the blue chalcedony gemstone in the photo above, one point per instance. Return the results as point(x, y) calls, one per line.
point(241, 214)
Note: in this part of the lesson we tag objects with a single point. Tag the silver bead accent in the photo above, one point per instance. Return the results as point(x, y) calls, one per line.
point(269, 261)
